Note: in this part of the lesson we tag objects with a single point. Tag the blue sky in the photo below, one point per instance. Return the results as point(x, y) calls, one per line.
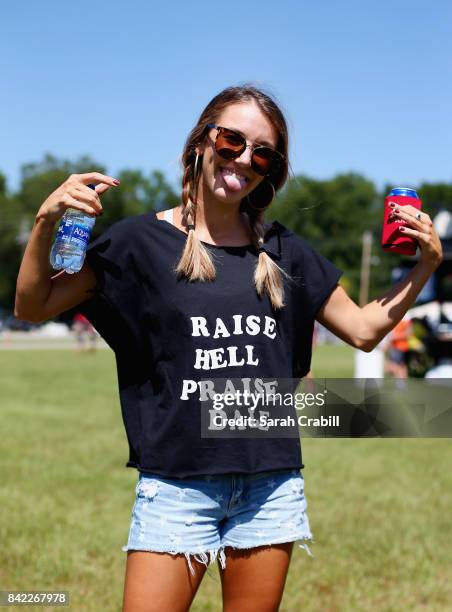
point(366, 86)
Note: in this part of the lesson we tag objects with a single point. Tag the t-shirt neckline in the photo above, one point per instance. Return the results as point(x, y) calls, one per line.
point(180, 232)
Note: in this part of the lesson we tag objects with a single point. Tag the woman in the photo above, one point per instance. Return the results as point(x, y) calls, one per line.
point(209, 290)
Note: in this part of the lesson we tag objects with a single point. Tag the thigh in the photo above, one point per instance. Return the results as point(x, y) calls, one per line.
point(254, 578)
point(160, 582)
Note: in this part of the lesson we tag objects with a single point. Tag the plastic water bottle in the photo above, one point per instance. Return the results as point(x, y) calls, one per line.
point(69, 249)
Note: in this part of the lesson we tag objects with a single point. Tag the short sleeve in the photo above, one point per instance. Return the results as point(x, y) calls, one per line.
point(114, 308)
point(316, 276)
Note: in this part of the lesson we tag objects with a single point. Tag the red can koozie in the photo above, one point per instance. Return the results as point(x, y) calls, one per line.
point(392, 239)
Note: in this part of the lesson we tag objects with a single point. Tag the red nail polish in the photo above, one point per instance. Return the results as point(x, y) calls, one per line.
point(402, 229)
point(116, 182)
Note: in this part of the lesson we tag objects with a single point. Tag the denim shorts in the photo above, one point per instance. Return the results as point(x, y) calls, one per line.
point(200, 516)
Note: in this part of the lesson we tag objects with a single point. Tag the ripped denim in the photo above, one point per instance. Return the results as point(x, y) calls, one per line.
point(199, 517)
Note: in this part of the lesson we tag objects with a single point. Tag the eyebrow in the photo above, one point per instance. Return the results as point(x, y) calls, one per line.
point(261, 142)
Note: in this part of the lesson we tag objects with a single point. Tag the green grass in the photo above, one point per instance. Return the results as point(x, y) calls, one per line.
point(332, 361)
point(379, 509)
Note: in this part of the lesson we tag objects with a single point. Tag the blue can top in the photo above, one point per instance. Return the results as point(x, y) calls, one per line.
point(404, 191)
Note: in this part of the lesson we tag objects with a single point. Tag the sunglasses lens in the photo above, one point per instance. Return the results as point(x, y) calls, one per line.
point(229, 145)
point(262, 160)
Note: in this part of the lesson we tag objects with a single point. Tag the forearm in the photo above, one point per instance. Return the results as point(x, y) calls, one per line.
point(382, 314)
point(34, 279)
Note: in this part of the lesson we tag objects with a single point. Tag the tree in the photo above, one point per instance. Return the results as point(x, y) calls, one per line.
point(11, 215)
point(137, 194)
point(39, 179)
point(332, 216)
point(436, 196)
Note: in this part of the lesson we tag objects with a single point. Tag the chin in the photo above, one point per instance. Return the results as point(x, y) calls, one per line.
point(223, 195)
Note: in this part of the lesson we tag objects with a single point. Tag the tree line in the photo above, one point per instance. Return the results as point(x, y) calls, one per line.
point(330, 214)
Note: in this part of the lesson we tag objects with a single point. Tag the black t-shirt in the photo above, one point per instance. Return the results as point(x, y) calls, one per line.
point(169, 333)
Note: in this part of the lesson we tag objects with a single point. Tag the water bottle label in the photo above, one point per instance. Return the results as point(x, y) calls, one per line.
point(74, 233)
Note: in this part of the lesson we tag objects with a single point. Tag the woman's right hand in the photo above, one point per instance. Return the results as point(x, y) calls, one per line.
point(75, 193)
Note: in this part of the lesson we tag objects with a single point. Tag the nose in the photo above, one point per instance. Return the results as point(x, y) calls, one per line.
point(245, 157)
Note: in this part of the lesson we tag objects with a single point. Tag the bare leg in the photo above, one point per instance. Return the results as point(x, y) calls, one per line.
point(254, 578)
point(396, 370)
point(160, 582)
point(391, 368)
point(403, 370)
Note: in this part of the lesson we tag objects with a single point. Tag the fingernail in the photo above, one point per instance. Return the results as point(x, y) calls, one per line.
point(402, 229)
point(391, 204)
point(116, 182)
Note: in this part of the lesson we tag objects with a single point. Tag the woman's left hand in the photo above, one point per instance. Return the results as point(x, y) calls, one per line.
point(423, 231)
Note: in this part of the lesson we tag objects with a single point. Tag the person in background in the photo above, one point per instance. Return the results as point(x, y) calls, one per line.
point(85, 334)
point(397, 347)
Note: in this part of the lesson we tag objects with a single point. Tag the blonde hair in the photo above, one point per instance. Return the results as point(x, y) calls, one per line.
point(196, 262)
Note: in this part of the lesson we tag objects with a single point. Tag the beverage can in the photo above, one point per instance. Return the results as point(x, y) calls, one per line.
point(392, 239)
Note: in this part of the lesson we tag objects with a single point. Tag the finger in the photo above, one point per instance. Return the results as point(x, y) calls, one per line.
point(71, 202)
point(88, 196)
point(399, 214)
point(100, 189)
point(412, 211)
point(97, 177)
point(429, 243)
point(82, 207)
point(409, 231)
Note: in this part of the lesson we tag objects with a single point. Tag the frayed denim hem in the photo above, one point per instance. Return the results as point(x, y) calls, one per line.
point(207, 558)
point(285, 540)
point(306, 547)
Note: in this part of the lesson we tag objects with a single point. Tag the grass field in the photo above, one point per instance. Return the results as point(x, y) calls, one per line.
point(379, 509)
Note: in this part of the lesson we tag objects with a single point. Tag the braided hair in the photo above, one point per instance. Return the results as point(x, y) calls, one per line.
point(196, 262)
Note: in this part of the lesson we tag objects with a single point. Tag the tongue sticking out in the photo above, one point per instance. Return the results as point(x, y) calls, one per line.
point(233, 182)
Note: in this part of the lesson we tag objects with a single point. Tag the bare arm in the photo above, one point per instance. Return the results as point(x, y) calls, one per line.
point(39, 295)
point(365, 327)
